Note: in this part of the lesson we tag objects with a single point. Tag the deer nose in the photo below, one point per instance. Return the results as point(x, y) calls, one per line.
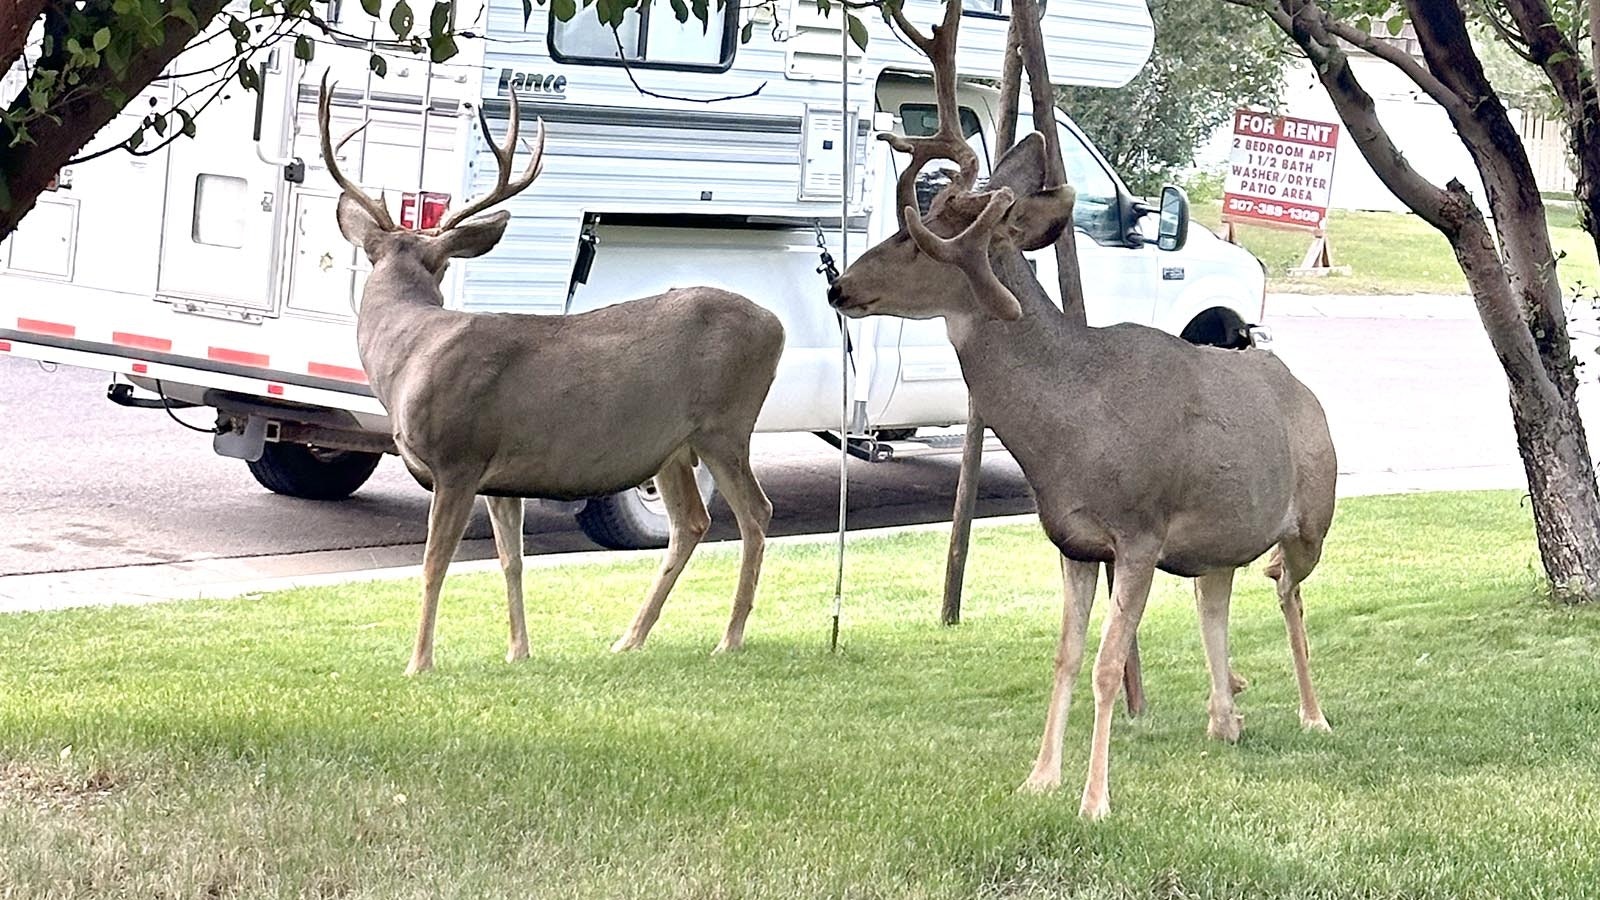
point(834, 294)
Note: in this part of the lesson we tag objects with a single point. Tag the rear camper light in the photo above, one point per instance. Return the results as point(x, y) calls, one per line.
point(434, 205)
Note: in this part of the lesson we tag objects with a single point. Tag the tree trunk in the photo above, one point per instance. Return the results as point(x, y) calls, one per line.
point(1512, 281)
point(26, 168)
point(16, 20)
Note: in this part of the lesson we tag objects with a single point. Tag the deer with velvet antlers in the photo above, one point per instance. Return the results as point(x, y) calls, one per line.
point(564, 407)
point(1144, 451)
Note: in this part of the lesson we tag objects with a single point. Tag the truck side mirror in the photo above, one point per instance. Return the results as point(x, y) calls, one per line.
point(1173, 231)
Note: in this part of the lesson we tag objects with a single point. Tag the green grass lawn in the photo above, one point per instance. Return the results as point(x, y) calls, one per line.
point(1393, 253)
point(271, 748)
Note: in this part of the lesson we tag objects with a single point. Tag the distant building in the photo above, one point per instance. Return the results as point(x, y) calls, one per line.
point(1416, 124)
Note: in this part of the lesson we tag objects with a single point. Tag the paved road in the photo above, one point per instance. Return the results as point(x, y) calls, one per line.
point(1414, 403)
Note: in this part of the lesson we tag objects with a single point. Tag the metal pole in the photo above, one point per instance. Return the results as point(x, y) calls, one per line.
point(847, 126)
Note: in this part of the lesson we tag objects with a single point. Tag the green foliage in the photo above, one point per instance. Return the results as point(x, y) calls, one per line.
point(270, 747)
point(1209, 59)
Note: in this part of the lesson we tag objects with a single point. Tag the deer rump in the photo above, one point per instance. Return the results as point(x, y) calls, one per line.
point(603, 399)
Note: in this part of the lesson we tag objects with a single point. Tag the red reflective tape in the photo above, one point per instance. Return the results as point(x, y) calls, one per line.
point(142, 341)
point(140, 369)
point(223, 354)
point(5, 346)
point(343, 373)
point(275, 389)
point(40, 326)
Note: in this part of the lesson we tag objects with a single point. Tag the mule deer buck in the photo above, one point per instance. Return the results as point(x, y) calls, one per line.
point(1143, 450)
point(562, 407)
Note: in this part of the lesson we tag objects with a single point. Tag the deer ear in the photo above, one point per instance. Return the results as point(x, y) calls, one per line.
point(356, 224)
point(474, 237)
point(1038, 219)
point(1022, 167)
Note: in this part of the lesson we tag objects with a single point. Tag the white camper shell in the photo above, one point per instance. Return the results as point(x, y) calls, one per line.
point(213, 273)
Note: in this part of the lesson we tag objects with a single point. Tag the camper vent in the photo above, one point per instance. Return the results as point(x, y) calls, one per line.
point(812, 51)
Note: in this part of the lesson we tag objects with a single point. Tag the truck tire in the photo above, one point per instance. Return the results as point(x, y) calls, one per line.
point(635, 519)
point(310, 473)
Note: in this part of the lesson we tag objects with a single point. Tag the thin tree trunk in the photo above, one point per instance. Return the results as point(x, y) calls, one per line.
point(955, 565)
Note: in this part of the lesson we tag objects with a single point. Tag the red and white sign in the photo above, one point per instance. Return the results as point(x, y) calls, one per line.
point(1280, 171)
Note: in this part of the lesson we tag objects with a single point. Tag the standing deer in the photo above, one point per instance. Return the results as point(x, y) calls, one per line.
point(1143, 450)
point(562, 407)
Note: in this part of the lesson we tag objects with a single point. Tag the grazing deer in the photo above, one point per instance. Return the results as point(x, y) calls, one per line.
point(562, 407)
point(1143, 450)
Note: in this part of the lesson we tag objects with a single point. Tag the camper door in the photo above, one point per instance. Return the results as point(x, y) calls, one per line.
point(219, 232)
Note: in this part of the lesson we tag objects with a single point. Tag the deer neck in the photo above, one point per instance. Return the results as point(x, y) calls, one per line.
point(997, 356)
point(400, 300)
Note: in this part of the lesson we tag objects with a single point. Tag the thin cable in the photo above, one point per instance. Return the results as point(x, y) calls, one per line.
point(167, 405)
point(844, 332)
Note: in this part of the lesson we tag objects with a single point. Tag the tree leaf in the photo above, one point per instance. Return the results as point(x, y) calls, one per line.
point(188, 122)
point(1396, 24)
point(441, 47)
point(378, 65)
point(372, 8)
point(102, 39)
point(858, 30)
point(680, 10)
point(186, 15)
point(824, 7)
point(439, 19)
point(527, 12)
point(747, 31)
point(563, 10)
point(401, 19)
point(702, 11)
point(303, 48)
point(136, 139)
point(236, 27)
point(159, 123)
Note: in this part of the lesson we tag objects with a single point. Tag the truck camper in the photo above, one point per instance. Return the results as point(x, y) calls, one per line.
point(212, 273)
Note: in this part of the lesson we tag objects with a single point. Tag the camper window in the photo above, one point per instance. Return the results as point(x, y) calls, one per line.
point(649, 37)
point(922, 120)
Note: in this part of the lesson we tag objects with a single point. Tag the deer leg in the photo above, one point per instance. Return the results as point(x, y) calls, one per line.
point(1133, 576)
point(689, 522)
point(738, 485)
point(1212, 593)
point(1290, 565)
point(447, 519)
point(506, 515)
point(1078, 582)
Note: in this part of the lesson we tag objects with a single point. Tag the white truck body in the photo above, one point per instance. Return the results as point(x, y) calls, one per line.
point(213, 270)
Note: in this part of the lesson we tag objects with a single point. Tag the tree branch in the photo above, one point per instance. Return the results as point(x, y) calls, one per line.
point(1398, 58)
point(16, 21)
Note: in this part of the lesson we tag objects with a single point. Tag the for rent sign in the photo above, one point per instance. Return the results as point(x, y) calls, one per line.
point(1280, 170)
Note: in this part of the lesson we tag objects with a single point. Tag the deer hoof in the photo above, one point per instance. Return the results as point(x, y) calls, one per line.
point(626, 643)
point(1226, 728)
point(727, 646)
point(1094, 808)
point(1038, 783)
point(419, 666)
point(516, 654)
point(1315, 723)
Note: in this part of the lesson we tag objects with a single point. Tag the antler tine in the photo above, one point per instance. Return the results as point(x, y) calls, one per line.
point(947, 142)
point(969, 252)
point(504, 186)
point(374, 208)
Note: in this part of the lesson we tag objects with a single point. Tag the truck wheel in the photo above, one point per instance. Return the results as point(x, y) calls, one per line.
point(636, 519)
point(312, 473)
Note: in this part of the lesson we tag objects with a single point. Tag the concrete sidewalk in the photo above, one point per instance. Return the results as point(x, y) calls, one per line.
point(1358, 306)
